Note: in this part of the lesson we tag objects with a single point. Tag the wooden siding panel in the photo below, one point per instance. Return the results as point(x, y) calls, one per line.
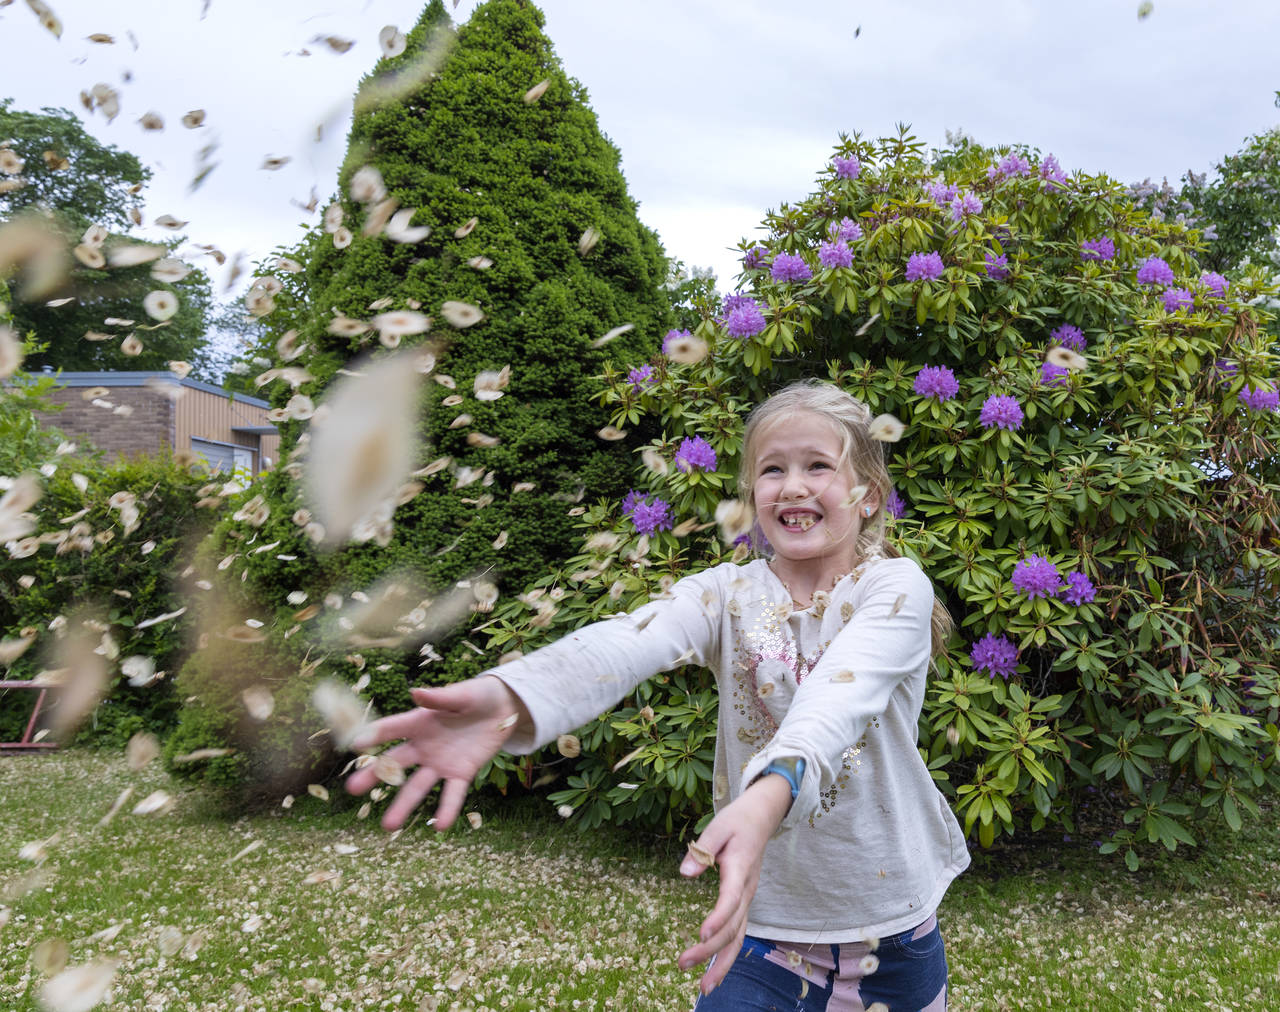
point(205, 415)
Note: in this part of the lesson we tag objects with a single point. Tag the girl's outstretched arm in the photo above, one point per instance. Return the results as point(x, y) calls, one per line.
point(736, 838)
point(452, 732)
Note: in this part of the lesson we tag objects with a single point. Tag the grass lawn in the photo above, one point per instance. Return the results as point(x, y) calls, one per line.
point(328, 912)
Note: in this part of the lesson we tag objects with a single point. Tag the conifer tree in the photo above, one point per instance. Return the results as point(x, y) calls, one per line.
point(482, 133)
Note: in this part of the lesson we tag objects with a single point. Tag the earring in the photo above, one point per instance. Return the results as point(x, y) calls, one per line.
point(867, 511)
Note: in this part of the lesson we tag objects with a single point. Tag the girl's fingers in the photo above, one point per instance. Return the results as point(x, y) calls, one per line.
point(384, 729)
point(452, 795)
point(724, 923)
point(727, 904)
point(409, 797)
point(722, 963)
point(453, 698)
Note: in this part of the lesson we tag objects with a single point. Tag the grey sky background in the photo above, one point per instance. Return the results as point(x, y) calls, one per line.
point(721, 108)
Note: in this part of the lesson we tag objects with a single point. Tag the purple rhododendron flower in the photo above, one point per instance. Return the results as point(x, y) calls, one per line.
point(835, 254)
point(936, 381)
point(965, 204)
point(1001, 412)
point(1260, 400)
point(942, 193)
point(924, 266)
point(847, 168)
point(641, 378)
point(755, 258)
point(895, 505)
point(1069, 336)
point(1051, 172)
point(673, 335)
point(647, 517)
point(846, 230)
point(1155, 271)
point(1079, 589)
point(1226, 367)
point(998, 654)
point(1037, 577)
point(1053, 375)
point(790, 267)
point(997, 267)
point(695, 452)
point(744, 319)
point(1177, 299)
point(1012, 164)
point(735, 301)
point(1097, 249)
point(1215, 282)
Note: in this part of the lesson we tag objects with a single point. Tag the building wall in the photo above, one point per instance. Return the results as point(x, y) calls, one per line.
point(149, 412)
point(148, 429)
point(214, 416)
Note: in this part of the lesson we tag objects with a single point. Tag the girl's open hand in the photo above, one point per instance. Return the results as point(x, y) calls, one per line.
point(452, 732)
point(736, 838)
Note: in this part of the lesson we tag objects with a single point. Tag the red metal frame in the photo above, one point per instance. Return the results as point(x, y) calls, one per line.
point(26, 742)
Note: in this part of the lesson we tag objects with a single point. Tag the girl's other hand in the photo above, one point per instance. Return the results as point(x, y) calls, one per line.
point(736, 838)
point(452, 732)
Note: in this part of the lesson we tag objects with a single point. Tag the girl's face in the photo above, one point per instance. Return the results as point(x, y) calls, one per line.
point(801, 491)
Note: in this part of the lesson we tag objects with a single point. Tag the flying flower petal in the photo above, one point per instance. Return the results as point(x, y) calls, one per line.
point(886, 429)
point(160, 304)
point(461, 314)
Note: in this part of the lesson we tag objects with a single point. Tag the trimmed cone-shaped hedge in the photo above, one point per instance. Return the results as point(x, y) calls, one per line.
point(530, 221)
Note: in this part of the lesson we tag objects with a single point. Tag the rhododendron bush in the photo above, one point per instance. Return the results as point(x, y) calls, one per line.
point(1088, 474)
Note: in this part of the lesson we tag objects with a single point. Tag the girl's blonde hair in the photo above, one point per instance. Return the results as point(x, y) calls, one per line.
point(851, 420)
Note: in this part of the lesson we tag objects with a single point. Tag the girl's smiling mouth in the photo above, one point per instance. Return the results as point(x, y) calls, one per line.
point(798, 519)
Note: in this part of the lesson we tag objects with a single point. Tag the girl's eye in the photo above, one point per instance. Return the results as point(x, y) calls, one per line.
point(771, 467)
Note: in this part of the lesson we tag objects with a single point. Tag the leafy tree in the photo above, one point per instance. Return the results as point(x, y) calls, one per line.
point(1235, 206)
point(81, 182)
point(235, 338)
point(530, 221)
point(98, 185)
point(1106, 537)
point(1241, 203)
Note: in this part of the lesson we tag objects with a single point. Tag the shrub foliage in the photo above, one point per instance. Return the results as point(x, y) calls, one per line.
point(1109, 555)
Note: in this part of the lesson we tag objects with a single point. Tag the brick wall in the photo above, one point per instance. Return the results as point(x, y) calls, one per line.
point(147, 429)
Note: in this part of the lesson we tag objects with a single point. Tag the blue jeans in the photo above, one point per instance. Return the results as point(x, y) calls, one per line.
point(905, 973)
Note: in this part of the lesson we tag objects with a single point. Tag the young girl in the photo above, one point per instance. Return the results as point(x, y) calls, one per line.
point(834, 845)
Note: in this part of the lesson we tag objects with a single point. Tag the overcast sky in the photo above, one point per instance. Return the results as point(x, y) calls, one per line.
point(721, 108)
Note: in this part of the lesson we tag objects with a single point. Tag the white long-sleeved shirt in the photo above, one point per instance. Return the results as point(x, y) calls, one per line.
point(869, 845)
